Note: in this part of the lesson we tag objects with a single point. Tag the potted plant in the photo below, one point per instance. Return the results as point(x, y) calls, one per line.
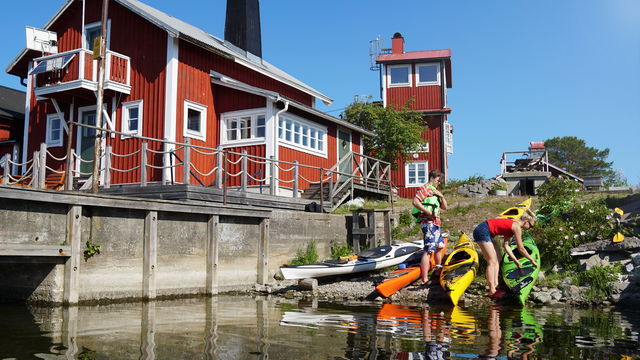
point(499, 189)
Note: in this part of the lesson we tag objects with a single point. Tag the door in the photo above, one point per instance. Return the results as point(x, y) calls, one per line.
point(344, 148)
point(87, 142)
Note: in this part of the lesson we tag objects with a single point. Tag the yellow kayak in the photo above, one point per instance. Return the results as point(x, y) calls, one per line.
point(459, 268)
point(516, 211)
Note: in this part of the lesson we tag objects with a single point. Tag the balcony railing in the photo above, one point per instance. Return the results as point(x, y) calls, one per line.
point(77, 69)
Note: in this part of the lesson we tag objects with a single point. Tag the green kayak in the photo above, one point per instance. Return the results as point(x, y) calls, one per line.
point(521, 281)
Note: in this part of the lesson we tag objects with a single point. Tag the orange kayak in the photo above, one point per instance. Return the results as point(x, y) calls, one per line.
point(397, 280)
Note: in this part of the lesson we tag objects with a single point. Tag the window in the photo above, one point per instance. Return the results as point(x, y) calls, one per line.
point(92, 31)
point(416, 173)
point(243, 126)
point(195, 120)
point(132, 118)
point(399, 75)
point(428, 74)
point(54, 130)
point(302, 135)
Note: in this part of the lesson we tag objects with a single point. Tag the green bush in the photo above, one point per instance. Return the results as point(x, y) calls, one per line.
point(599, 281)
point(308, 256)
point(338, 250)
point(567, 222)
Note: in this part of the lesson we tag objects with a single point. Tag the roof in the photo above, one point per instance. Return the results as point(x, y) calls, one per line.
point(420, 56)
point(222, 80)
point(187, 32)
point(12, 103)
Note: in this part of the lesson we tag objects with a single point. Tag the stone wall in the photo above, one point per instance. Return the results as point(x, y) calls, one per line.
point(32, 217)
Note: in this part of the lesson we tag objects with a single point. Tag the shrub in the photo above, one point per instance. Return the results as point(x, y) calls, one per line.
point(308, 256)
point(338, 250)
point(599, 280)
point(568, 223)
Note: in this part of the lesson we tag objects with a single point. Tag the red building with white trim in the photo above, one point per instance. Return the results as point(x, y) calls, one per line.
point(166, 79)
point(420, 78)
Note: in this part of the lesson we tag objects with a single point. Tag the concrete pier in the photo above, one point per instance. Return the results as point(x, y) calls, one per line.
point(148, 248)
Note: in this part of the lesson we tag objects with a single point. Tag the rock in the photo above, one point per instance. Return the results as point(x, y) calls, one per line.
point(357, 202)
point(542, 297)
point(541, 276)
point(593, 260)
point(556, 268)
point(308, 284)
point(636, 259)
point(572, 294)
point(556, 294)
point(565, 282)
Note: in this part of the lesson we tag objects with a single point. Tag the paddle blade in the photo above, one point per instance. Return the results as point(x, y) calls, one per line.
point(618, 237)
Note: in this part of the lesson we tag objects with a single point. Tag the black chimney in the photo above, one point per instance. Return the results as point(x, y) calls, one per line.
point(242, 26)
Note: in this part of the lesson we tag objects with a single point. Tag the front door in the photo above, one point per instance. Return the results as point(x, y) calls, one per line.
point(344, 148)
point(87, 142)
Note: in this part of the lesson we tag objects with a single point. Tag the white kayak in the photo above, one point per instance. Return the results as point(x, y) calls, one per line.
point(368, 260)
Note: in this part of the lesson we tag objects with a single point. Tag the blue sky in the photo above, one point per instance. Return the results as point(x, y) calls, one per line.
point(522, 70)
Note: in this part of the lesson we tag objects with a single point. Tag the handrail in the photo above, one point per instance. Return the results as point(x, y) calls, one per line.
point(233, 169)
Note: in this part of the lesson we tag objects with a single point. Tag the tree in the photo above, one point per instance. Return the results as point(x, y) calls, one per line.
point(573, 154)
point(398, 131)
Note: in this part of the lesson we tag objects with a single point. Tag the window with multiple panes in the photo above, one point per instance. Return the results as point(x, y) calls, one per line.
point(195, 120)
point(399, 75)
point(428, 74)
point(301, 134)
point(54, 130)
point(132, 117)
point(92, 31)
point(416, 173)
point(243, 126)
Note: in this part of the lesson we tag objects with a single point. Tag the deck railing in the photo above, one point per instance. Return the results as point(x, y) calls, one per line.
point(83, 67)
point(217, 168)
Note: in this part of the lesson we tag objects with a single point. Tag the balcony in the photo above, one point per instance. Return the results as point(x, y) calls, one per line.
point(74, 71)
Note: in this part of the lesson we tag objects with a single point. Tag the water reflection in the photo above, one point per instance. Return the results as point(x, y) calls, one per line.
point(231, 327)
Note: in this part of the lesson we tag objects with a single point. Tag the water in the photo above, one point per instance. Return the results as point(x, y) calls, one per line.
point(237, 327)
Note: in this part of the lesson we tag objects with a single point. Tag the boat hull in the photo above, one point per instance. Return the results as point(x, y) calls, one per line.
point(398, 279)
point(521, 281)
point(459, 268)
point(366, 261)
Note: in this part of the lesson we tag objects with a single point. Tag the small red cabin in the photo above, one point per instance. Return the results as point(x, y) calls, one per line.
point(421, 78)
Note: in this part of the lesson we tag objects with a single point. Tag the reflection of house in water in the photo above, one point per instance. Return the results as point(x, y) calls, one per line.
point(532, 169)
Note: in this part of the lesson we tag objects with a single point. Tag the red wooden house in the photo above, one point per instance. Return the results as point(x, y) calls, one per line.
point(168, 80)
point(421, 78)
point(11, 122)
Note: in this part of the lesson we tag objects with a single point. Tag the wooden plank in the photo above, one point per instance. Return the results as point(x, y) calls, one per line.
point(85, 199)
point(62, 251)
point(212, 254)
point(72, 267)
point(263, 252)
point(150, 260)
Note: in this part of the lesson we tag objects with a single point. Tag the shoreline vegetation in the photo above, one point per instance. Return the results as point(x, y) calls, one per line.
point(572, 226)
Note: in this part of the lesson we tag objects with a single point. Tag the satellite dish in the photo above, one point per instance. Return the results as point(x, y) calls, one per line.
point(42, 40)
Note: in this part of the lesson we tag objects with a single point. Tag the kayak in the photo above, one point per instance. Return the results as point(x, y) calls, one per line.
point(398, 279)
point(368, 260)
point(521, 281)
point(516, 211)
point(403, 277)
point(459, 268)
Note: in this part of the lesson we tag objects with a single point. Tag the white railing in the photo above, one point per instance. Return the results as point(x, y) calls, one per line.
point(228, 170)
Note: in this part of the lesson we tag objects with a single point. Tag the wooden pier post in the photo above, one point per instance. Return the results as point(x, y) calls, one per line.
point(150, 260)
point(72, 267)
point(212, 254)
point(263, 252)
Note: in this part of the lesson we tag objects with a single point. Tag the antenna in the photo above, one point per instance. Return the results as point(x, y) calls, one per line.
point(375, 47)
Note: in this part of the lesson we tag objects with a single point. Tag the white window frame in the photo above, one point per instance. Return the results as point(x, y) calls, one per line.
point(302, 123)
point(253, 139)
point(409, 75)
point(49, 141)
point(427, 83)
point(97, 24)
point(408, 183)
point(124, 126)
point(199, 135)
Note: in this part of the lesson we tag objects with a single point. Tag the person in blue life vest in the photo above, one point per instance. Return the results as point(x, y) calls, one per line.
point(429, 201)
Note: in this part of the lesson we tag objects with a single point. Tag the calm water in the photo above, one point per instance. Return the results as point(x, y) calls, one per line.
point(230, 327)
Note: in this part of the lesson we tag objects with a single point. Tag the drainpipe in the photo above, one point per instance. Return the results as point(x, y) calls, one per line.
point(276, 120)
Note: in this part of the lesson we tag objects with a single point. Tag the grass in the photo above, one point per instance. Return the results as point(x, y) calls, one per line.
point(368, 204)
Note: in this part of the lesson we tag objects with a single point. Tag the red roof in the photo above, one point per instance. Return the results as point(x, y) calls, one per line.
point(415, 55)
